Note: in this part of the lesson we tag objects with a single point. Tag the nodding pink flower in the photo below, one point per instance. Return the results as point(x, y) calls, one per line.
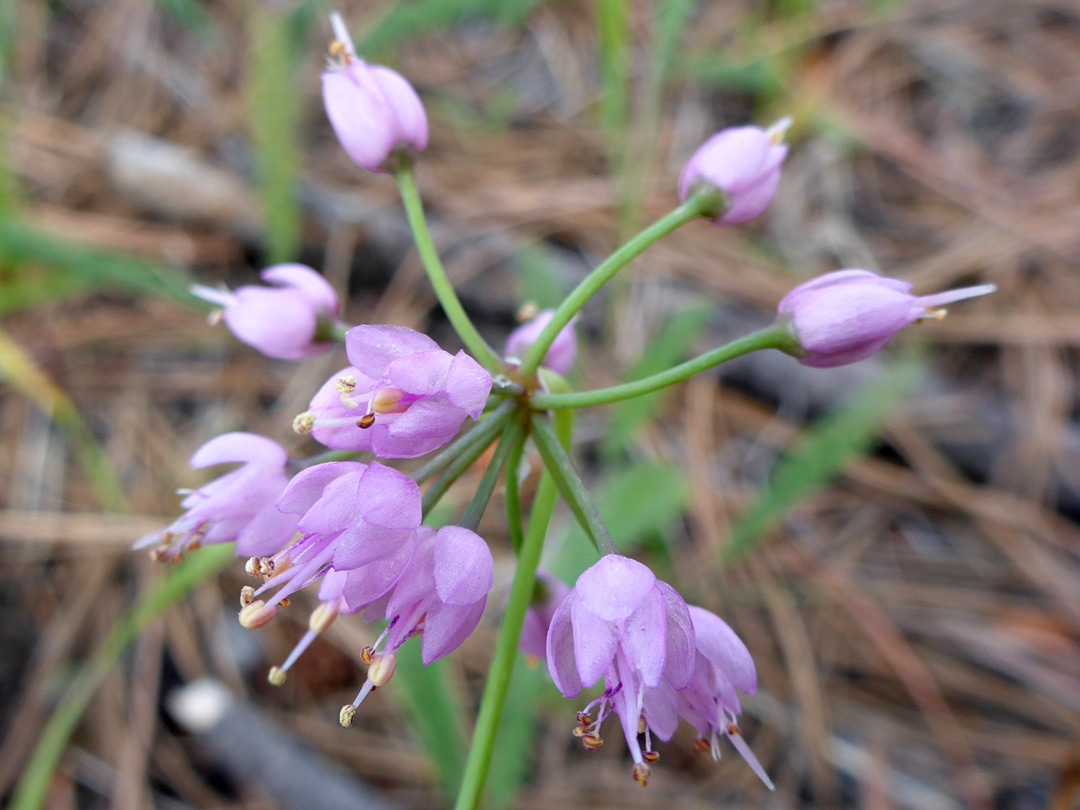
point(560, 355)
point(375, 113)
point(441, 595)
point(547, 595)
point(622, 624)
point(743, 164)
point(238, 506)
point(352, 518)
point(848, 315)
point(402, 397)
point(291, 320)
point(709, 703)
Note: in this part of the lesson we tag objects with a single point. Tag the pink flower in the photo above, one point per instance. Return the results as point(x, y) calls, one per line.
point(289, 321)
point(622, 624)
point(709, 703)
point(548, 593)
point(743, 164)
point(238, 506)
point(560, 355)
point(441, 595)
point(375, 112)
point(402, 397)
point(848, 315)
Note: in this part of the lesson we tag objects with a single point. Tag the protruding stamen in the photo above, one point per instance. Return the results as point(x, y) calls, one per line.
point(276, 676)
point(778, 130)
point(934, 314)
point(257, 614)
point(641, 773)
point(367, 655)
point(592, 742)
point(365, 421)
point(323, 616)
point(650, 756)
point(247, 596)
point(386, 400)
point(382, 669)
point(701, 746)
point(527, 311)
point(253, 567)
point(735, 736)
point(303, 423)
point(348, 712)
point(345, 384)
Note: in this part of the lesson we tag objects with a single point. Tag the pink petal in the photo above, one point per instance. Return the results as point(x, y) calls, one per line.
point(463, 566)
point(679, 658)
point(363, 543)
point(303, 279)
point(369, 583)
point(560, 649)
point(307, 486)
point(411, 126)
point(644, 637)
point(614, 587)
point(359, 114)
point(388, 498)
point(267, 533)
point(595, 641)
point(468, 385)
point(422, 373)
point(373, 348)
point(337, 509)
point(661, 710)
point(724, 649)
point(279, 323)
point(239, 447)
point(446, 627)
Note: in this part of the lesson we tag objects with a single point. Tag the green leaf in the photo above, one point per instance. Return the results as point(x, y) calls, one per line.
point(823, 452)
point(512, 759)
point(434, 713)
point(667, 349)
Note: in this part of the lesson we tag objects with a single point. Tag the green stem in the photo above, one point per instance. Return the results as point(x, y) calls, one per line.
point(570, 485)
point(465, 459)
point(775, 337)
point(512, 437)
point(696, 206)
point(513, 494)
point(444, 291)
point(506, 645)
point(483, 432)
point(36, 777)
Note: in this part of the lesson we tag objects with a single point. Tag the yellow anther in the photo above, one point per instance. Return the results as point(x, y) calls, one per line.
point(650, 756)
point(322, 617)
point(348, 712)
point(256, 615)
point(303, 423)
point(365, 421)
point(382, 669)
point(345, 384)
point(702, 746)
point(527, 311)
point(276, 676)
point(641, 773)
point(367, 654)
point(386, 400)
point(778, 130)
point(592, 742)
point(247, 596)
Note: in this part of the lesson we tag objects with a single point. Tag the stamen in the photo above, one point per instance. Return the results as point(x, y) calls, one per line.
point(276, 677)
point(365, 421)
point(778, 130)
point(323, 616)
point(386, 400)
point(592, 742)
point(650, 756)
point(641, 773)
point(701, 746)
point(527, 311)
point(733, 734)
point(257, 614)
point(345, 717)
point(303, 423)
point(382, 669)
point(247, 596)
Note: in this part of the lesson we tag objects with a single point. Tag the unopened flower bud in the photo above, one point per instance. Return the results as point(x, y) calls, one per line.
point(257, 614)
point(848, 315)
point(743, 165)
point(375, 112)
point(382, 669)
point(560, 355)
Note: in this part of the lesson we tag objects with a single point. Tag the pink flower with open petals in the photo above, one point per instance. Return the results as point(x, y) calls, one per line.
point(848, 315)
point(402, 397)
point(548, 594)
point(441, 595)
point(375, 112)
point(622, 624)
point(238, 506)
point(290, 320)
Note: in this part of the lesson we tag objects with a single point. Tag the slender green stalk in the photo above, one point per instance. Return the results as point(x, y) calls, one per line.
point(506, 645)
point(570, 485)
point(775, 337)
point(444, 291)
point(465, 459)
point(483, 432)
point(696, 206)
point(513, 436)
point(35, 780)
point(513, 494)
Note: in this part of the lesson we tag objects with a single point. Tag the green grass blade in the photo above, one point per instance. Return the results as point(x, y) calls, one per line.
point(512, 759)
point(434, 713)
point(36, 777)
point(820, 455)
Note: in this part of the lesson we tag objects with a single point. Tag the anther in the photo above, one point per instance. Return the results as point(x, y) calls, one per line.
point(935, 314)
point(650, 756)
point(778, 130)
point(345, 384)
point(256, 615)
point(527, 311)
point(247, 596)
point(348, 712)
point(592, 742)
point(702, 746)
point(641, 773)
point(194, 545)
point(365, 421)
point(159, 554)
point(284, 603)
point(276, 676)
point(386, 400)
point(253, 567)
point(367, 654)
point(733, 729)
point(303, 423)
point(641, 725)
point(337, 49)
point(382, 669)
point(322, 617)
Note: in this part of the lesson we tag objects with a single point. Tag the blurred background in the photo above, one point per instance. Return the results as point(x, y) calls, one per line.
point(895, 541)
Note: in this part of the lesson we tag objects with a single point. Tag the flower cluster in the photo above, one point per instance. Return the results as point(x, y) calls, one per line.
point(350, 526)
